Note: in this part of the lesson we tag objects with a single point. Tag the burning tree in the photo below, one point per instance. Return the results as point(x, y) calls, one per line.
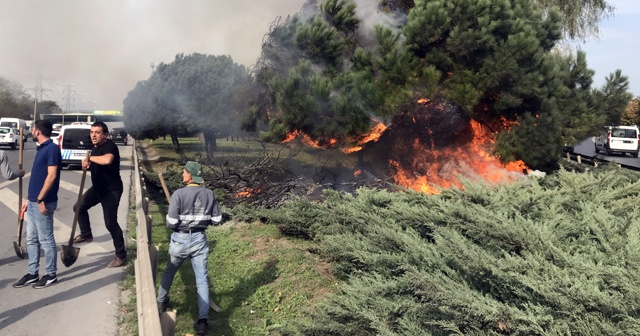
point(336, 70)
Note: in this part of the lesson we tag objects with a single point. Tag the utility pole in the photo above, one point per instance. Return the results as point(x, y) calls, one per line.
point(68, 101)
point(38, 90)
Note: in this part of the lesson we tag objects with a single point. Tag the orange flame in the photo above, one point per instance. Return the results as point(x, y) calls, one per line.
point(432, 169)
point(247, 193)
point(290, 136)
point(374, 135)
point(357, 172)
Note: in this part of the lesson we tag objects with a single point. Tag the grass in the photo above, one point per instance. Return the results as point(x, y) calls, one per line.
point(261, 280)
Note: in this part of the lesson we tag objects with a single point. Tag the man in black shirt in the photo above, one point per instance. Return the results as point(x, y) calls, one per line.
point(106, 189)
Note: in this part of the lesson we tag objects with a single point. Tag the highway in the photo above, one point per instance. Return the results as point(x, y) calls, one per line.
point(86, 298)
point(587, 148)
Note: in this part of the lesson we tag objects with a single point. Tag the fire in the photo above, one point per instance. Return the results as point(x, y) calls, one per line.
point(306, 139)
point(357, 173)
point(374, 136)
point(290, 136)
point(431, 169)
point(247, 193)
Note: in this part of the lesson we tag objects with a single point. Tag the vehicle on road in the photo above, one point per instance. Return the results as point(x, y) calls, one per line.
point(9, 137)
point(16, 123)
point(74, 142)
point(55, 136)
point(618, 139)
point(119, 135)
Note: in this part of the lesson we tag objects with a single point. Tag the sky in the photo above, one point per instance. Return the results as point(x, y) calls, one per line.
point(618, 46)
point(99, 50)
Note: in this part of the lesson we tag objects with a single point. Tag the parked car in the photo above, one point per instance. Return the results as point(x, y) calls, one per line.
point(618, 139)
point(16, 123)
point(119, 135)
point(9, 137)
point(74, 142)
point(55, 137)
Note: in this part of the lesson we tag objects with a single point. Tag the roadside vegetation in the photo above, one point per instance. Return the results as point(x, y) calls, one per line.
point(554, 255)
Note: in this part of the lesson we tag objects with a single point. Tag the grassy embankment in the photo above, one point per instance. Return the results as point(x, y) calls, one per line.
point(260, 279)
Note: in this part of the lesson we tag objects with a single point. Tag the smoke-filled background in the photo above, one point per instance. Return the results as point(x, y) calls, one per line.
point(103, 48)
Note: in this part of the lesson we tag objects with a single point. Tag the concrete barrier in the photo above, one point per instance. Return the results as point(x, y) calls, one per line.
point(145, 265)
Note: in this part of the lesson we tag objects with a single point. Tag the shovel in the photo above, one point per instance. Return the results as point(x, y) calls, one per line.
point(212, 304)
point(69, 254)
point(21, 250)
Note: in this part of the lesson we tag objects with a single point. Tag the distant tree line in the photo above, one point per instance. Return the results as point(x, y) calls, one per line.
point(16, 103)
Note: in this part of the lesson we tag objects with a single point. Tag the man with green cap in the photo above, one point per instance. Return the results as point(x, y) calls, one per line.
point(191, 210)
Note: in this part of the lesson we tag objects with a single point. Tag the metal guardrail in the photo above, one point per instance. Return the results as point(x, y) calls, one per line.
point(146, 261)
point(595, 160)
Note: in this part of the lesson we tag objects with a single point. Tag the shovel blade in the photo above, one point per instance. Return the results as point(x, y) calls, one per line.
point(21, 251)
point(69, 255)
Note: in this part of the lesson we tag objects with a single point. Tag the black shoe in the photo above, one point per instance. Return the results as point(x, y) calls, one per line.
point(117, 262)
point(80, 239)
point(46, 281)
point(162, 306)
point(26, 280)
point(201, 327)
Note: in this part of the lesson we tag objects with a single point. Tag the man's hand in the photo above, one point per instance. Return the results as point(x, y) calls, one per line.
point(85, 164)
point(24, 205)
point(20, 172)
point(42, 208)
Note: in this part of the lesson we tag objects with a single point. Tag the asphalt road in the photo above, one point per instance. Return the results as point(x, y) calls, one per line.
point(587, 148)
point(86, 298)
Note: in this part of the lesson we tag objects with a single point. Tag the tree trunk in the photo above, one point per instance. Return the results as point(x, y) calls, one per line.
point(175, 143)
point(210, 143)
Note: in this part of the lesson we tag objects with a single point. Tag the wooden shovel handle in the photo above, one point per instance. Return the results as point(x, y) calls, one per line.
point(75, 215)
point(20, 216)
point(164, 187)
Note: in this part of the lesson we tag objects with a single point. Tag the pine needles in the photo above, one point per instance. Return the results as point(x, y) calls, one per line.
point(557, 256)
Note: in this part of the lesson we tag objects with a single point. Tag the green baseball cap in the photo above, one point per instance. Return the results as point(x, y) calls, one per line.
point(195, 169)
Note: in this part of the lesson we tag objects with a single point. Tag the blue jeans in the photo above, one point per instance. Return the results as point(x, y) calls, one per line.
point(183, 246)
point(40, 234)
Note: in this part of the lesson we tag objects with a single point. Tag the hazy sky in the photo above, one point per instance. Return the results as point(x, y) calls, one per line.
point(105, 47)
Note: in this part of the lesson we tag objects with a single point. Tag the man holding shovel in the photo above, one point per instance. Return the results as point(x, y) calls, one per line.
point(42, 201)
point(5, 169)
point(191, 210)
point(106, 189)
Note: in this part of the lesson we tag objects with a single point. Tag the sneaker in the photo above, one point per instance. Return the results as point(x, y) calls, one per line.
point(162, 306)
point(201, 327)
point(117, 262)
point(46, 281)
point(26, 280)
point(80, 239)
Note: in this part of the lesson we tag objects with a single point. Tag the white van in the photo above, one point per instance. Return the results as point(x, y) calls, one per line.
point(618, 139)
point(74, 142)
point(17, 124)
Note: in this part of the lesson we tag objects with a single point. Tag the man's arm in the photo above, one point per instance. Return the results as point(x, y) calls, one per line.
point(102, 160)
point(173, 216)
point(216, 214)
point(52, 173)
point(5, 169)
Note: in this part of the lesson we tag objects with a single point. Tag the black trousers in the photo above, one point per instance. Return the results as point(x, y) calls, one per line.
point(109, 201)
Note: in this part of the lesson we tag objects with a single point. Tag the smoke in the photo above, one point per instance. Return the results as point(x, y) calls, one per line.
point(104, 48)
point(369, 13)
